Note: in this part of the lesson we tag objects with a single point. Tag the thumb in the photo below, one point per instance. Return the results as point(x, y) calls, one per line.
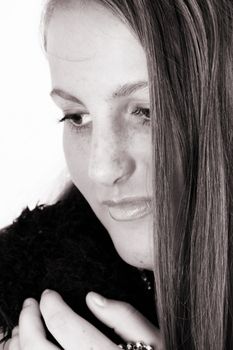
point(126, 321)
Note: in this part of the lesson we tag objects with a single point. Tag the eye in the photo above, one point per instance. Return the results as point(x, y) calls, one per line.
point(77, 120)
point(143, 113)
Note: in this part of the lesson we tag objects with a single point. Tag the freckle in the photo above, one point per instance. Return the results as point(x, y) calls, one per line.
point(118, 162)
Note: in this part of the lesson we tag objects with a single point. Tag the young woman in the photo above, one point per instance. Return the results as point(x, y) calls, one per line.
point(146, 89)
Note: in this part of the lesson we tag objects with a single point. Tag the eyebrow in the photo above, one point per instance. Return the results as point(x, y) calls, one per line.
point(123, 91)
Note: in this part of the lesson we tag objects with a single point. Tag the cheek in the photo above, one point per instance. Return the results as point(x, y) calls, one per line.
point(76, 150)
point(141, 148)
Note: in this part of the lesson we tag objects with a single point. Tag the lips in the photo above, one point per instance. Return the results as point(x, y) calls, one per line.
point(129, 209)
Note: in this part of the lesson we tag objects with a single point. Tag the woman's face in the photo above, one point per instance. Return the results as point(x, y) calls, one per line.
point(100, 82)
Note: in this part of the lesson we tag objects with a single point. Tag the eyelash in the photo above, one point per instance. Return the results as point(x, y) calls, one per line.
point(71, 119)
point(142, 113)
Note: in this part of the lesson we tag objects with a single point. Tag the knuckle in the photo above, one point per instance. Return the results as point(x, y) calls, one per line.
point(127, 309)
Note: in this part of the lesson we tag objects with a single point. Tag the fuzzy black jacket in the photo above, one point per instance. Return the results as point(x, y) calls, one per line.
point(64, 247)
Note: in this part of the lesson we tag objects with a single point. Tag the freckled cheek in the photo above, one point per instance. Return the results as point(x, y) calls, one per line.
point(76, 150)
point(141, 148)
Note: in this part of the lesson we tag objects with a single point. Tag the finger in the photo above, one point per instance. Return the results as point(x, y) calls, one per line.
point(14, 343)
point(31, 330)
point(5, 345)
point(126, 321)
point(71, 331)
point(15, 331)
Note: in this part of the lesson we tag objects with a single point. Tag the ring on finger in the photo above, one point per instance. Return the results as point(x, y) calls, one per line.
point(139, 345)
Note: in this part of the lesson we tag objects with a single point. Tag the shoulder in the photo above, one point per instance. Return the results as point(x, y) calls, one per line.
point(47, 221)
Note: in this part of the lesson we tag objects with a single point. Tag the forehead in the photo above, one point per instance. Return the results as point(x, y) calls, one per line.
point(88, 33)
point(92, 52)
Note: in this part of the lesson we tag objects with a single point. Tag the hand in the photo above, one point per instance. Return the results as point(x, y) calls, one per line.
point(73, 332)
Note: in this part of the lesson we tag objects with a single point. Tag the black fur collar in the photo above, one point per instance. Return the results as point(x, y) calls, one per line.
point(65, 248)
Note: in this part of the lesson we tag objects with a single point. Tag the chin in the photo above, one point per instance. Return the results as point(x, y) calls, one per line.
point(137, 260)
point(140, 264)
point(133, 240)
point(134, 247)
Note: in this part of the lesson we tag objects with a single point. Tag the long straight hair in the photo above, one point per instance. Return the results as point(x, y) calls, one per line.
point(189, 49)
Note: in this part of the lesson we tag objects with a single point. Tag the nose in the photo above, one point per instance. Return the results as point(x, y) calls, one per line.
point(110, 161)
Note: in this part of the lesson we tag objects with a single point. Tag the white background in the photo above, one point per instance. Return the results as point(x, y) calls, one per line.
point(31, 156)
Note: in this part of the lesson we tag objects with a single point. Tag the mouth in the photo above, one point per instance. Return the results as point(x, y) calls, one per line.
point(130, 209)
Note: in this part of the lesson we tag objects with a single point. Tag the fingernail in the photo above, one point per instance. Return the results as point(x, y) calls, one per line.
point(98, 299)
point(47, 291)
point(28, 302)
